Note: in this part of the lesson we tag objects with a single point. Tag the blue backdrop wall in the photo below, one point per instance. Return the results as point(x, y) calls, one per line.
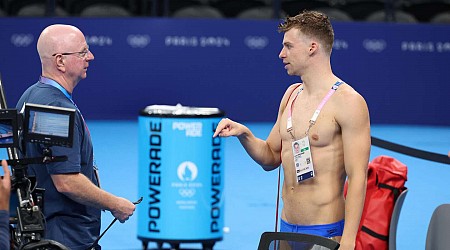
point(401, 69)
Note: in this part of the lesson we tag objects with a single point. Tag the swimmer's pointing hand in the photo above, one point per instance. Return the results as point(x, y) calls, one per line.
point(227, 127)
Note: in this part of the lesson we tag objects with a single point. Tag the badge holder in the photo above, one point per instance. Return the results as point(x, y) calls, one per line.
point(304, 168)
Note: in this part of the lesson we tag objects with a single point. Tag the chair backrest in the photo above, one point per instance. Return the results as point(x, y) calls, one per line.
point(441, 18)
point(38, 10)
point(202, 11)
point(394, 220)
point(111, 7)
point(335, 14)
point(425, 10)
point(438, 237)
point(294, 241)
point(360, 9)
point(176, 5)
point(104, 10)
point(263, 12)
point(398, 17)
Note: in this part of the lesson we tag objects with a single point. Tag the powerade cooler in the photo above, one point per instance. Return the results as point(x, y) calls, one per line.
point(181, 176)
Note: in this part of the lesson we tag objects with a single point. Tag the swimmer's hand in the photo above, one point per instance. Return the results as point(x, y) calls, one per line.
point(227, 127)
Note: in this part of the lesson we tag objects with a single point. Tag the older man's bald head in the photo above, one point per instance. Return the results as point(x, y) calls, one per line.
point(59, 38)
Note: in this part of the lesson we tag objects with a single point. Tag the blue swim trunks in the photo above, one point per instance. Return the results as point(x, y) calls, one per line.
point(326, 230)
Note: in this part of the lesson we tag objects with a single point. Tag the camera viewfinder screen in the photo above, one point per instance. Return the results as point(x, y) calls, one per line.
point(49, 124)
point(6, 132)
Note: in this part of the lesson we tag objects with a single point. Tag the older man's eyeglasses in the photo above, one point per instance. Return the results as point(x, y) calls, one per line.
point(80, 54)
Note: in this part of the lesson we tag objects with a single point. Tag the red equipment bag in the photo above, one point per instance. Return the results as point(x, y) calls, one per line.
point(386, 177)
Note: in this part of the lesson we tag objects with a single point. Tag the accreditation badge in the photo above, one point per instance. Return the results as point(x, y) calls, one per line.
point(303, 163)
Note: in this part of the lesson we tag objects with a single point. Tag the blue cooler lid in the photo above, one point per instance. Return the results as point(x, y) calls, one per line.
point(181, 111)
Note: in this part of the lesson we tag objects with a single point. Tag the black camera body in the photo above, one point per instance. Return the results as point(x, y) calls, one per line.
point(31, 221)
point(47, 126)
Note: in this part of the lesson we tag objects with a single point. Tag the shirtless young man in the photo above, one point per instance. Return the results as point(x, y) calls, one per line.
point(339, 139)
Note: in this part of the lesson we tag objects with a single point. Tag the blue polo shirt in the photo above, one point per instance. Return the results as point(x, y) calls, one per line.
point(73, 224)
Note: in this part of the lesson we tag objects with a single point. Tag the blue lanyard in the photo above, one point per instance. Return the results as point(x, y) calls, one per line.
point(53, 83)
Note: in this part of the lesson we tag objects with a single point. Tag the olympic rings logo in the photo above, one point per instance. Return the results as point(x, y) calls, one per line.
point(187, 193)
point(138, 41)
point(340, 44)
point(256, 42)
point(22, 40)
point(374, 45)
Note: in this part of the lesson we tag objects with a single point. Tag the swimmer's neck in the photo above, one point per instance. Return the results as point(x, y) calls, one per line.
point(318, 85)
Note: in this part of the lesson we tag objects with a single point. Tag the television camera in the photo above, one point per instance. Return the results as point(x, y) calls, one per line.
point(47, 126)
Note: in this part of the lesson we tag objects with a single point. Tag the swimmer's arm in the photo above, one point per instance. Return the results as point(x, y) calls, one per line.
point(265, 153)
point(259, 150)
point(355, 125)
point(268, 153)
